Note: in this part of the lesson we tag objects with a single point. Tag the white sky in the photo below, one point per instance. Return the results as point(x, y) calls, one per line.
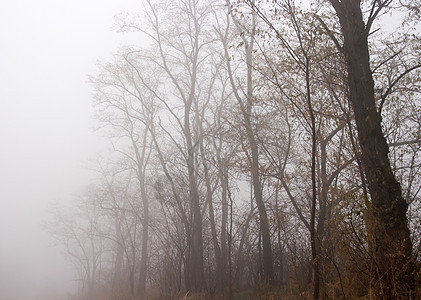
point(47, 48)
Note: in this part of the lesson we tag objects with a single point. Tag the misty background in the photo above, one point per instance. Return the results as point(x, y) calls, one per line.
point(48, 48)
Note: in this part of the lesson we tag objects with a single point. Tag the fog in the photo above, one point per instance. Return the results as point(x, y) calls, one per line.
point(236, 159)
point(48, 49)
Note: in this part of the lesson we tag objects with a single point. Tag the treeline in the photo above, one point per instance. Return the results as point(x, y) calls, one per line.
point(259, 149)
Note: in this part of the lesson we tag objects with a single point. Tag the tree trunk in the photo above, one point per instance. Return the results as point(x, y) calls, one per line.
point(223, 174)
point(145, 238)
point(246, 107)
point(197, 273)
point(220, 272)
point(313, 234)
point(388, 233)
point(257, 185)
point(118, 261)
point(254, 161)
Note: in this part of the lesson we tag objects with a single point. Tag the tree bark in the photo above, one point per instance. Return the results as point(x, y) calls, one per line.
point(388, 233)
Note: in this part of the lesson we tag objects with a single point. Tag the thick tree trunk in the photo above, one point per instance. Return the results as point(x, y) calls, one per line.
point(388, 233)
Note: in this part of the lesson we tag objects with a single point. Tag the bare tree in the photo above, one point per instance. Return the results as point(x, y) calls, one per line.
point(249, 148)
point(84, 247)
point(389, 236)
point(245, 102)
point(127, 110)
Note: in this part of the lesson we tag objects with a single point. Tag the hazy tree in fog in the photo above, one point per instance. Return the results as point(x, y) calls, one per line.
point(179, 32)
point(300, 51)
point(125, 107)
point(117, 197)
point(247, 149)
point(78, 229)
point(245, 100)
